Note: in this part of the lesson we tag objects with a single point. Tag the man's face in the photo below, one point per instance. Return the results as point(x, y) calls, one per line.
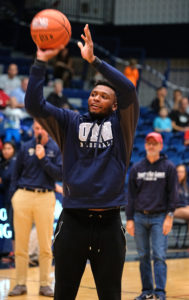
point(58, 87)
point(12, 70)
point(102, 101)
point(38, 130)
point(184, 104)
point(152, 147)
point(8, 151)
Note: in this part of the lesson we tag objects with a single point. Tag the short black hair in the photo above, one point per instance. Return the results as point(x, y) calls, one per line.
point(10, 143)
point(105, 82)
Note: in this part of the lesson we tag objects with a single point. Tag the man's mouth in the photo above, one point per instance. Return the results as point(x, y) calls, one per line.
point(94, 106)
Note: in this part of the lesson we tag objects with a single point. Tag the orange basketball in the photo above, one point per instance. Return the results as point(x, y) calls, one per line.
point(50, 29)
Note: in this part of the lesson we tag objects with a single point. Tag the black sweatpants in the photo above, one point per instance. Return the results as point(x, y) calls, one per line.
point(96, 236)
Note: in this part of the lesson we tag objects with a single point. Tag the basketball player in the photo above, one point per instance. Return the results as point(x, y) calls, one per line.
point(96, 149)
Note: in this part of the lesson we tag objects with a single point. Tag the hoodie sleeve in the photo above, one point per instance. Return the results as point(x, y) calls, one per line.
point(128, 105)
point(54, 120)
point(132, 193)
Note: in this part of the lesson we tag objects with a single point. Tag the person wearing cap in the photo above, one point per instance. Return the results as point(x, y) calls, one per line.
point(152, 196)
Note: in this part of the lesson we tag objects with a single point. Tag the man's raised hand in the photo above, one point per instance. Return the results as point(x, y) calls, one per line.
point(87, 50)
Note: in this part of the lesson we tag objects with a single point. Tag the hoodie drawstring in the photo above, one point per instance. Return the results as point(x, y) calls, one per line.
point(98, 138)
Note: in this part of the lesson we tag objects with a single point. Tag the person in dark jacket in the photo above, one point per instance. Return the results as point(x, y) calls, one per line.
point(7, 161)
point(182, 206)
point(38, 166)
point(152, 196)
point(57, 97)
point(96, 149)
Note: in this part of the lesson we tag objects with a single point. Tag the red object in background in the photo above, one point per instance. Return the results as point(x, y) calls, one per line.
point(186, 135)
point(4, 99)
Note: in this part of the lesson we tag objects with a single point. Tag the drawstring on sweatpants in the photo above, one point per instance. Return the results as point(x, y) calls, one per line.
point(95, 229)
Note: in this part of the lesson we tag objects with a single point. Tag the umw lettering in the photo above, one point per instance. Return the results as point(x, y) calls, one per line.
point(106, 137)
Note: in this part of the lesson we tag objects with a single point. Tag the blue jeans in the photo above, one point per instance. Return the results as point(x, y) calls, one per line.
point(12, 133)
point(148, 234)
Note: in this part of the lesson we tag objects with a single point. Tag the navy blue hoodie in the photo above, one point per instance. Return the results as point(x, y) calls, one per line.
point(95, 152)
point(152, 187)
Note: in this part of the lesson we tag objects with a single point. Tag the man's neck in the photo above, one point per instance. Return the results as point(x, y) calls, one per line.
point(153, 159)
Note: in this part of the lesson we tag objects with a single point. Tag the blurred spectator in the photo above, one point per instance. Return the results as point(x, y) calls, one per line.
point(182, 206)
point(163, 122)
point(12, 124)
point(4, 99)
point(97, 77)
point(131, 71)
point(180, 117)
point(63, 67)
point(177, 96)
point(6, 168)
point(17, 95)
point(160, 100)
point(10, 81)
point(57, 98)
point(2, 129)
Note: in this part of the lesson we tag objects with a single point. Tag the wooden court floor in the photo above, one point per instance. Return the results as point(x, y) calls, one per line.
point(177, 282)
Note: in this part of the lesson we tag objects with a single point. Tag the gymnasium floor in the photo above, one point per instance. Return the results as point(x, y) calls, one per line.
point(177, 279)
point(177, 283)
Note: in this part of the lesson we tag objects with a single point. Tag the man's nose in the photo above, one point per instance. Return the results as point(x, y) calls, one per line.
point(97, 98)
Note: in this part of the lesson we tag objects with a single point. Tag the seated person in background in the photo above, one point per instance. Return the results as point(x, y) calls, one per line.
point(56, 97)
point(163, 122)
point(63, 68)
point(177, 96)
point(182, 207)
point(97, 77)
point(18, 95)
point(180, 117)
point(160, 100)
point(131, 71)
point(10, 81)
point(12, 124)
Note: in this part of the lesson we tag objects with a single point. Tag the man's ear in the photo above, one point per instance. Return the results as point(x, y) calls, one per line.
point(114, 106)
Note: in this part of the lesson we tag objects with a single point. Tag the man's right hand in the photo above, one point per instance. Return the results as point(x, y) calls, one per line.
point(130, 227)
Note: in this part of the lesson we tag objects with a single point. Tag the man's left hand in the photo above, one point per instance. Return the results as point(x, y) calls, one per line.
point(167, 225)
point(45, 55)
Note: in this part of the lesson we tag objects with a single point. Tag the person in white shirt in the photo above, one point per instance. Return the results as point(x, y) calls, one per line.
point(10, 81)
